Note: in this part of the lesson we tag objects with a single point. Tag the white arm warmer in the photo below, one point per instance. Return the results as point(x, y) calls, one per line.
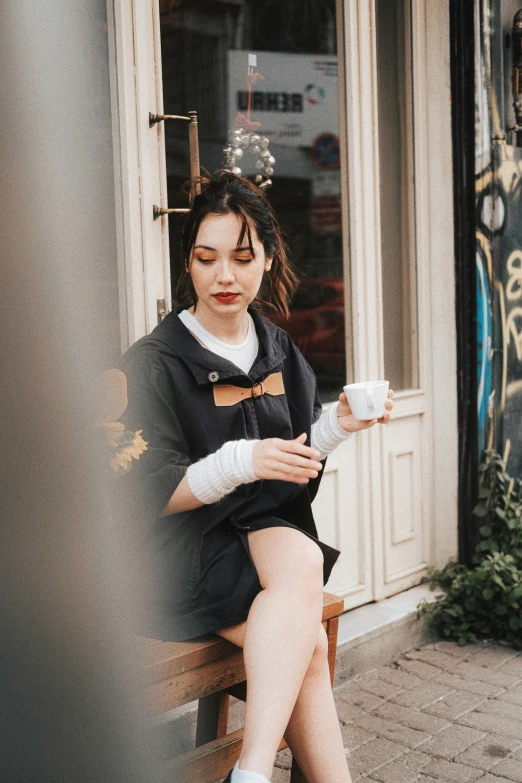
point(218, 474)
point(214, 476)
point(327, 433)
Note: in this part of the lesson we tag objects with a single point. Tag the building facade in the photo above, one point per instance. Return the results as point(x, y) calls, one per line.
point(354, 100)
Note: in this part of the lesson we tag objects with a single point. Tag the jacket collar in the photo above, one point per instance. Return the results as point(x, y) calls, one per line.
point(201, 361)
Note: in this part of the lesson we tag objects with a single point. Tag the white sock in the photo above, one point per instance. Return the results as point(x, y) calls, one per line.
point(246, 776)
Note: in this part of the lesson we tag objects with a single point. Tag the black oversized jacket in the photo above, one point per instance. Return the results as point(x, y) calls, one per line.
point(202, 572)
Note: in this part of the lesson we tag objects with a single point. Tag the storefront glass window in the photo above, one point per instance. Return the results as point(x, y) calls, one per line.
point(207, 49)
point(397, 197)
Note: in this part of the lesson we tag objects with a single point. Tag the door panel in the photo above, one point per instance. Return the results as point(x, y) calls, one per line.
point(343, 522)
point(404, 511)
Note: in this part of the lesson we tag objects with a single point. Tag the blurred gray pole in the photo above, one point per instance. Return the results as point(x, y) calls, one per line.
point(70, 693)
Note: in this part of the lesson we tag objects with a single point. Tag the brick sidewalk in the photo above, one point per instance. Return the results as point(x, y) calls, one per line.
point(439, 712)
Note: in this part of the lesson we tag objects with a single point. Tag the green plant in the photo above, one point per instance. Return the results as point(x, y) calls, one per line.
point(485, 600)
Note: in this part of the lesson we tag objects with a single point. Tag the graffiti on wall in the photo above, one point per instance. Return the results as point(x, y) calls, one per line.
point(498, 252)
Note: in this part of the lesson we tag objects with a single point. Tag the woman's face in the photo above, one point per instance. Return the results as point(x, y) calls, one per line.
point(219, 267)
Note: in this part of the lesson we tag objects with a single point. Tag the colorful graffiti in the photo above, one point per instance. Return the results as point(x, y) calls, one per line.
point(484, 340)
point(498, 191)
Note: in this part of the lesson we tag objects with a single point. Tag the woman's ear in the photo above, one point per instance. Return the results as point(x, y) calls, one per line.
point(268, 263)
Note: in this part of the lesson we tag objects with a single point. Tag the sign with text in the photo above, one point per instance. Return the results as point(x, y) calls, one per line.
point(296, 100)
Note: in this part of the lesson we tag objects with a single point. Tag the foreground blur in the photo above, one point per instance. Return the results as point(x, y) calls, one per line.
point(70, 694)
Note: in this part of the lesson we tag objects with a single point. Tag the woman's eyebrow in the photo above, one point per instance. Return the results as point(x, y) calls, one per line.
point(237, 249)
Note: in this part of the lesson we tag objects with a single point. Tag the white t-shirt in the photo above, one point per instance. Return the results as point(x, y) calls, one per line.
point(242, 355)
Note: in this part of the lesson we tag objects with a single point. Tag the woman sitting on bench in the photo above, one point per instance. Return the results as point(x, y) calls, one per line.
point(236, 444)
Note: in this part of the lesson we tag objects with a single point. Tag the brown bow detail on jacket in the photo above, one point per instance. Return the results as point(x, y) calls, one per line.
point(228, 394)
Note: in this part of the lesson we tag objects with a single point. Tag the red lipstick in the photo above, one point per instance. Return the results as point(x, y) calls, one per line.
point(225, 296)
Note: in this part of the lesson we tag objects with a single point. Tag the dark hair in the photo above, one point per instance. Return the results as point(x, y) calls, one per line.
point(221, 194)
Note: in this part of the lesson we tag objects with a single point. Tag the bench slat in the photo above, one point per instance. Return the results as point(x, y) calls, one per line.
point(196, 683)
point(169, 659)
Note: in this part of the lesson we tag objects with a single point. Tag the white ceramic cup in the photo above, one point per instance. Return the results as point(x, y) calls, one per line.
point(367, 398)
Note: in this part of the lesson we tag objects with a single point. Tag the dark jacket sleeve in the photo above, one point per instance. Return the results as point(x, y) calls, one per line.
point(152, 409)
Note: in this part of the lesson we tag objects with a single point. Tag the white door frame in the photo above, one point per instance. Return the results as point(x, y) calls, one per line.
point(139, 164)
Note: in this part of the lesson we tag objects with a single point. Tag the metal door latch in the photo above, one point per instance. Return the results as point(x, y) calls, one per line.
point(192, 120)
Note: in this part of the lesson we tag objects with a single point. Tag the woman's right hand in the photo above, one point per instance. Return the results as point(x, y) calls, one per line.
point(285, 460)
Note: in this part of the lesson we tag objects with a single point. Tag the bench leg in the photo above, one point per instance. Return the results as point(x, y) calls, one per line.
point(332, 627)
point(296, 776)
point(212, 721)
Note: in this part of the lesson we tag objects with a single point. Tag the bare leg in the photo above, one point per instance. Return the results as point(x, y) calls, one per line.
point(313, 733)
point(282, 650)
point(280, 637)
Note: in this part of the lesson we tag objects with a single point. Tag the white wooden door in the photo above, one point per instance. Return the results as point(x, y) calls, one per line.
point(377, 502)
point(139, 151)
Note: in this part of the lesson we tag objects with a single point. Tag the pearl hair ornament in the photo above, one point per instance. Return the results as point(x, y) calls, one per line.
point(241, 141)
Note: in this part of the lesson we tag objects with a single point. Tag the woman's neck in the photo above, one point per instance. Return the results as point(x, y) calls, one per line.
point(231, 329)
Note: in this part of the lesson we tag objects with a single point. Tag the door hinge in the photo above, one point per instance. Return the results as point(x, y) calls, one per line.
point(161, 306)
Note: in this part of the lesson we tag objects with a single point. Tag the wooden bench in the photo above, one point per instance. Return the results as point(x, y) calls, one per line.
point(210, 669)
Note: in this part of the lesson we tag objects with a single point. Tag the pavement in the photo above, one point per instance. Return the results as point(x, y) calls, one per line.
point(439, 712)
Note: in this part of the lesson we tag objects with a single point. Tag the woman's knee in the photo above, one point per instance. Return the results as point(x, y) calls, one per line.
point(307, 561)
point(295, 562)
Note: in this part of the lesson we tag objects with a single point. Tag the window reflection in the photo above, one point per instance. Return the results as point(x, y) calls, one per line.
point(205, 48)
point(397, 198)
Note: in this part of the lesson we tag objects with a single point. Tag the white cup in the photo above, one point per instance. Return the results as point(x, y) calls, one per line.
point(367, 398)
